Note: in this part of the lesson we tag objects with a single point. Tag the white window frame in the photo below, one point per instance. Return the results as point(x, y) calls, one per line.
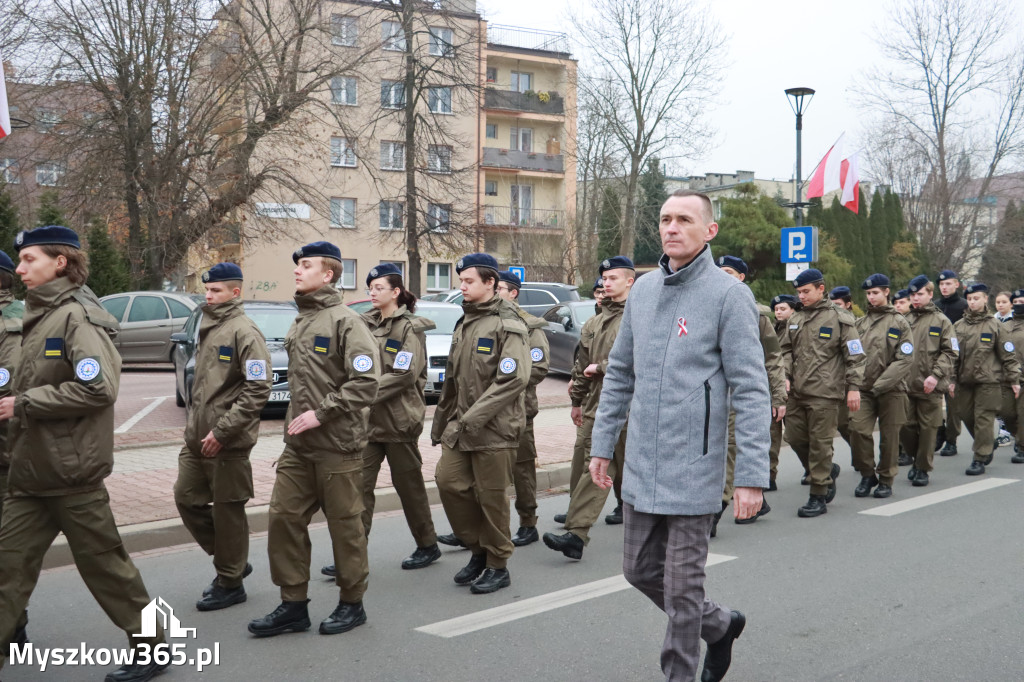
point(392, 37)
point(442, 282)
point(442, 41)
point(343, 213)
point(347, 281)
point(395, 215)
point(345, 91)
point(10, 171)
point(344, 30)
point(439, 159)
point(518, 138)
point(491, 188)
point(395, 94)
point(439, 217)
point(439, 99)
point(491, 74)
point(343, 153)
point(516, 81)
point(488, 129)
point(53, 172)
point(392, 155)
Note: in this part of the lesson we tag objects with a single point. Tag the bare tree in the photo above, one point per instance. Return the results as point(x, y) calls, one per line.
point(655, 64)
point(13, 25)
point(950, 115)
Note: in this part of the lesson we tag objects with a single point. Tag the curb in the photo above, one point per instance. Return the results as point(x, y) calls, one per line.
point(144, 537)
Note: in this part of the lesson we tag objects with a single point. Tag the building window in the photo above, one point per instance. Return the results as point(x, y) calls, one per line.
point(348, 274)
point(46, 119)
point(492, 131)
point(343, 90)
point(521, 139)
point(9, 171)
point(491, 188)
point(521, 82)
point(439, 158)
point(492, 74)
point(392, 36)
point(48, 173)
point(392, 94)
point(439, 276)
point(343, 152)
point(440, 100)
point(344, 30)
point(392, 156)
point(441, 42)
point(343, 213)
point(391, 215)
point(439, 217)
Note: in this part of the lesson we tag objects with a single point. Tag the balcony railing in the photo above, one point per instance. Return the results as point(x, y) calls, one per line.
point(531, 161)
point(514, 216)
point(510, 100)
point(528, 38)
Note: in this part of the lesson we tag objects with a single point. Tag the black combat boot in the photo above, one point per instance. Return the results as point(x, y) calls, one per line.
point(345, 617)
point(615, 518)
point(866, 484)
point(491, 580)
point(330, 571)
point(525, 536)
point(136, 672)
point(561, 518)
point(290, 616)
point(245, 574)
point(830, 494)
point(472, 570)
point(423, 556)
point(567, 543)
point(815, 507)
point(452, 540)
point(221, 598)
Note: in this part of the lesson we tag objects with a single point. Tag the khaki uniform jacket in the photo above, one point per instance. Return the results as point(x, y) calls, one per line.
point(772, 358)
point(886, 337)
point(539, 359)
point(588, 327)
point(931, 332)
point(398, 410)
point(334, 370)
point(10, 355)
point(595, 347)
point(62, 432)
point(821, 353)
point(232, 381)
point(987, 355)
point(482, 401)
point(1015, 330)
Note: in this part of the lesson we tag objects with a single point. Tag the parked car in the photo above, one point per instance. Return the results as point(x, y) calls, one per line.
point(272, 318)
point(148, 319)
point(563, 332)
point(534, 297)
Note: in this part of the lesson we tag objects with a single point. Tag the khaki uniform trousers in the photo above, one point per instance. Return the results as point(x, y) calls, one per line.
point(1012, 413)
point(978, 405)
point(210, 494)
point(730, 459)
point(524, 477)
point(587, 500)
point(30, 525)
point(953, 417)
point(580, 452)
point(305, 484)
point(843, 422)
point(474, 492)
point(810, 428)
point(890, 412)
point(773, 452)
point(406, 464)
point(924, 417)
point(23, 621)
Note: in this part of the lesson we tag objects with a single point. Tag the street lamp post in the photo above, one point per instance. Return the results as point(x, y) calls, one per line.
point(801, 99)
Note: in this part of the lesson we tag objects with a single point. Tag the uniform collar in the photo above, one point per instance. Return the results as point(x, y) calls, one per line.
point(613, 307)
point(884, 309)
point(475, 310)
point(324, 297)
point(974, 318)
point(223, 311)
point(700, 265)
point(49, 295)
point(375, 319)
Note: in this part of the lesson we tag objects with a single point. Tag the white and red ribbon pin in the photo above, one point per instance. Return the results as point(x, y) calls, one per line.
point(682, 326)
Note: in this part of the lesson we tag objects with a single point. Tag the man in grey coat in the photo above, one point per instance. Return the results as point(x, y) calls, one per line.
point(687, 349)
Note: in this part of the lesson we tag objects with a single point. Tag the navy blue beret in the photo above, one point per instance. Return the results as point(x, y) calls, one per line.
point(615, 263)
point(733, 262)
point(1017, 293)
point(317, 249)
point(509, 277)
point(382, 270)
point(808, 277)
point(6, 263)
point(476, 260)
point(917, 284)
point(875, 280)
point(947, 274)
point(599, 284)
point(789, 299)
point(839, 292)
point(222, 272)
point(902, 293)
point(977, 288)
point(57, 235)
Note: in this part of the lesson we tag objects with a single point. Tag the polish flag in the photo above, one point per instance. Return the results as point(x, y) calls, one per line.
point(850, 180)
point(5, 115)
point(827, 176)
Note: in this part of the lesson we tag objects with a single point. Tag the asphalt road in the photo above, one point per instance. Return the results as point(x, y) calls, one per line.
point(932, 593)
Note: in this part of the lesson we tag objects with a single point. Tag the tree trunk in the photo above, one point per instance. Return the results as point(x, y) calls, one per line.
point(412, 242)
point(627, 239)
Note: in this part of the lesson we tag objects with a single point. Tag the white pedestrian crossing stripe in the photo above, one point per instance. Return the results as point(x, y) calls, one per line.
point(921, 501)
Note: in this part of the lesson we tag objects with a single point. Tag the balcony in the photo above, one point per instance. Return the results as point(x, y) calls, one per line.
point(526, 161)
point(513, 216)
point(528, 39)
point(511, 100)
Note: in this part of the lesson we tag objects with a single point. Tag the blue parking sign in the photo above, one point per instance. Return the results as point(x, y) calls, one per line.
point(799, 245)
point(519, 271)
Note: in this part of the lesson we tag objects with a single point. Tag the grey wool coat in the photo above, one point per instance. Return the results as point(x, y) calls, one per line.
point(688, 347)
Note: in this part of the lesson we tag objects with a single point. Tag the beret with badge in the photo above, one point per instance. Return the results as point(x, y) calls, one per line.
point(510, 278)
point(918, 283)
point(733, 262)
point(977, 288)
point(877, 280)
point(222, 272)
point(317, 250)
point(902, 293)
point(946, 274)
point(6, 263)
point(476, 260)
point(55, 235)
point(839, 292)
point(382, 270)
point(616, 263)
point(809, 276)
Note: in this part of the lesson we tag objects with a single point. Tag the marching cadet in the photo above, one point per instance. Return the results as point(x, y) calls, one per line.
point(61, 416)
point(953, 306)
point(333, 372)
point(824, 363)
point(524, 471)
point(931, 370)
point(783, 305)
point(901, 302)
point(587, 499)
point(885, 336)
point(1014, 415)
point(231, 387)
point(842, 298)
point(986, 360)
point(479, 419)
point(736, 267)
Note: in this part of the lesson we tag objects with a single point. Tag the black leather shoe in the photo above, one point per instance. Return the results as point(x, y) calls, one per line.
point(912, 474)
point(975, 469)
point(718, 517)
point(866, 484)
point(988, 459)
point(491, 580)
point(830, 494)
point(452, 540)
point(136, 672)
point(20, 636)
point(1018, 456)
point(221, 598)
point(568, 544)
point(719, 655)
point(806, 480)
point(772, 487)
point(472, 570)
point(561, 518)
point(524, 536)
point(883, 490)
point(615, 518)
point(344, 617)
point(948, 450)
point(904, 459)
point(330, 571)
point(921, 480)
point(423, 556)
point(760, 512)
point(290, 616)
point(245, 574)
point(815, 507)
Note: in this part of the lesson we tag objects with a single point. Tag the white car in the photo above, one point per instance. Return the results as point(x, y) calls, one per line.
point(439, 340)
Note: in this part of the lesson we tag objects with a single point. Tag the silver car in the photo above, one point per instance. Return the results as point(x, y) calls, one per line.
point(439, 340)
point(148, 318)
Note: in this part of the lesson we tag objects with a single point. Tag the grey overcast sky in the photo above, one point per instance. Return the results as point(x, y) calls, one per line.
point(767, 54)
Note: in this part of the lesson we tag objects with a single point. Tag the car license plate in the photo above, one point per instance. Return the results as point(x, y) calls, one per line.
point(440, 378)
point(280, 396)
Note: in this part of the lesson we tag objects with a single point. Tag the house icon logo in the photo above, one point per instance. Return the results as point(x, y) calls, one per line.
point(158, 612)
